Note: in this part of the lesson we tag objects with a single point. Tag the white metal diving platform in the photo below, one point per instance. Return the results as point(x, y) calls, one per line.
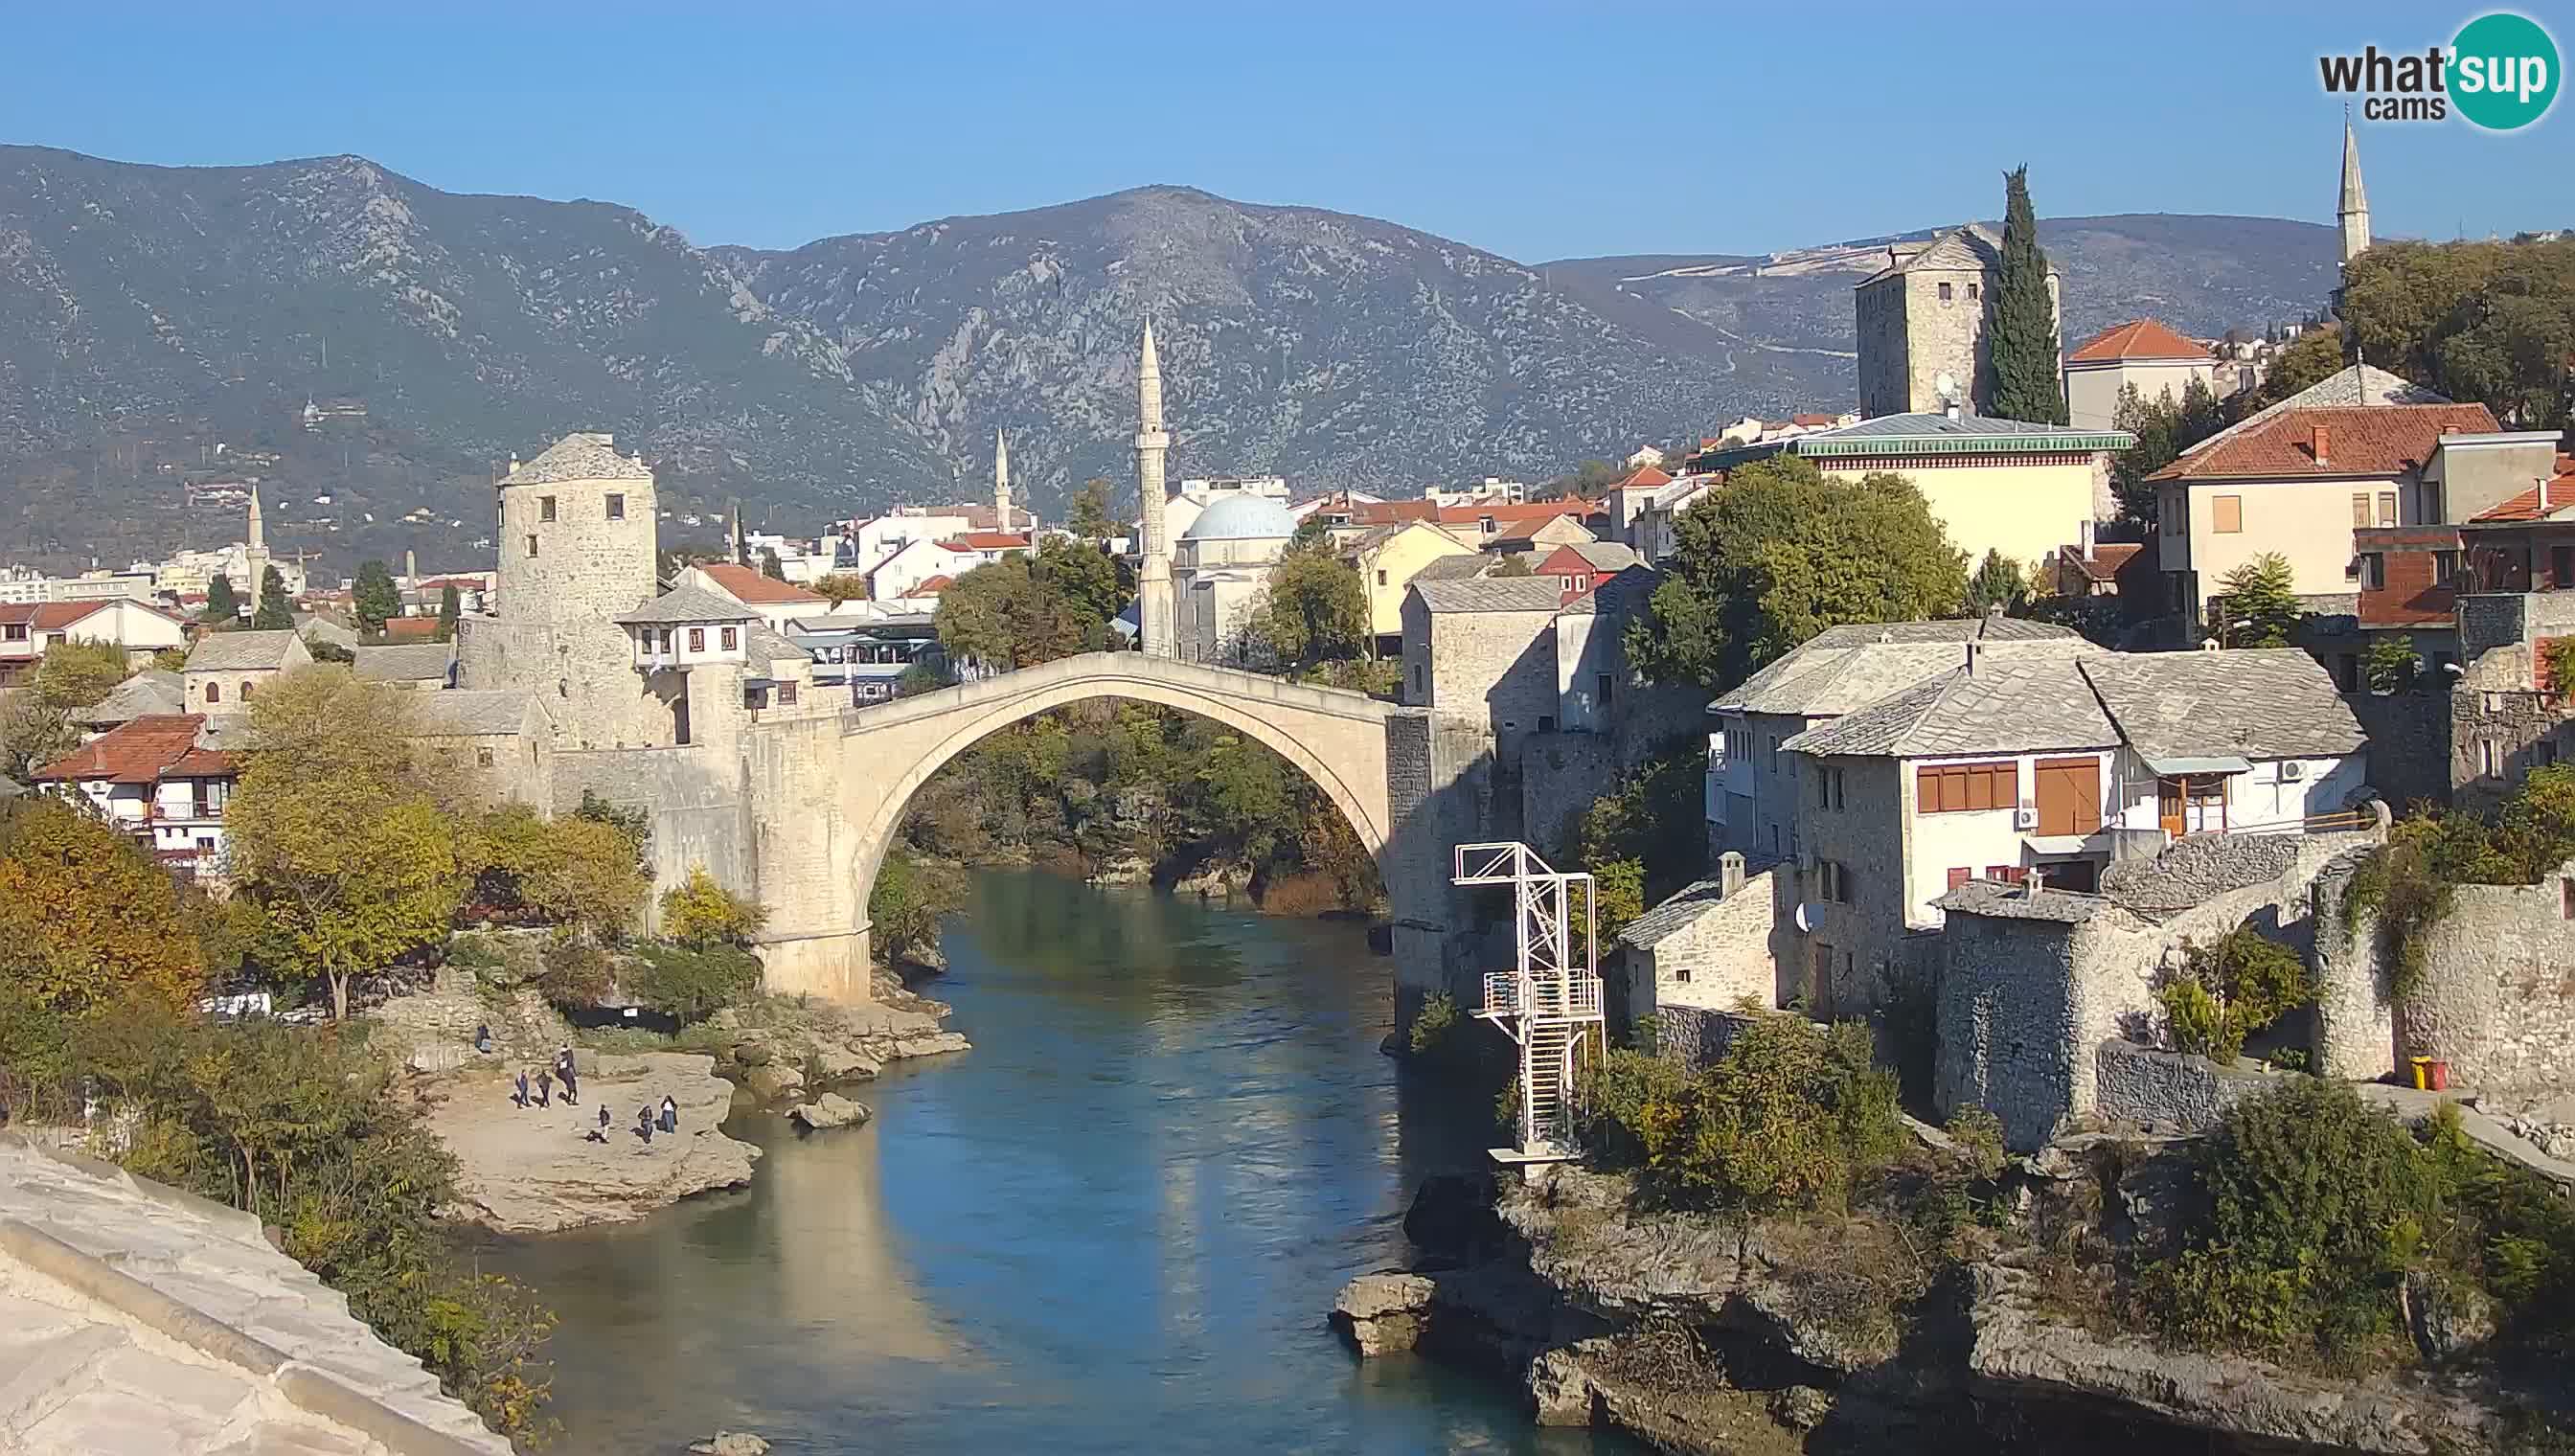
point(1549, 1001)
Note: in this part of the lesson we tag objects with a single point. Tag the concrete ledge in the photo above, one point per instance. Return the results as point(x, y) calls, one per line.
point(327, 1396)
point(242, 1226)
point(92, 1276)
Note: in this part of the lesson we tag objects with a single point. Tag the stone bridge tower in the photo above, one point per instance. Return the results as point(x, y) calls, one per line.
point(578, 545)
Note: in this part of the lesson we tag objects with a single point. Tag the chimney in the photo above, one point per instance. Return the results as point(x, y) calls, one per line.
point(1730, 875)
point(2324, 441)
point(2543, 494)
point(1971, 659)
point(1953, 408)
point(2084, 538)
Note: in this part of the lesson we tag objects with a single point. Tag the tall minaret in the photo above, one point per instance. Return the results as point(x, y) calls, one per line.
point(1154, 582)
point(1001, 484)
point(2353, 211)
point(255, 555)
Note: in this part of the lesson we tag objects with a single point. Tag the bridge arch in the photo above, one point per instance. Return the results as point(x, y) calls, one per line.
point(1338, 740)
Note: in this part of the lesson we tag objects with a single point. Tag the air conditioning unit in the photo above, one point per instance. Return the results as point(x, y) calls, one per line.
point(2292, 771)
point(2025, 816)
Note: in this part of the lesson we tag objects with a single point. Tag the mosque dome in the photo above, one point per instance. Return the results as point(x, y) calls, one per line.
point(1242, 517)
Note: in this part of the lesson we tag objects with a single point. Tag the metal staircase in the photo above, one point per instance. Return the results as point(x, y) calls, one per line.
point(1549, 1002)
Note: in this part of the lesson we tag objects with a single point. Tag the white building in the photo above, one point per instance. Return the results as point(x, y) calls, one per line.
point(152, 779)
point(1181, 509)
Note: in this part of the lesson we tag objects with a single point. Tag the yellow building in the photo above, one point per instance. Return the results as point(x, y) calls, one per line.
point(1389, 557)
point(1994, 484)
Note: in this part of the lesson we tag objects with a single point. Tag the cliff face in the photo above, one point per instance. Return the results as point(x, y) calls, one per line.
point(1705, 1335)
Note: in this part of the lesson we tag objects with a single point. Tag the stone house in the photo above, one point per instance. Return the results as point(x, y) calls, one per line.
point(1534, 538)
point(1484, 648)
point(1751, 791)
point(499, 736)
point(420, 667)
point(224, 670)
point(1921, 323)
point(2048, 767)
point(1994, 484)
point(1709, 947)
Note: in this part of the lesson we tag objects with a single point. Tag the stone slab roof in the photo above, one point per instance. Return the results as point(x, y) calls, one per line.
point(2012, 706)
point(2251, 702)
point(692, 605)
point(136, 1317)
point(241, 652)
point(765, 645)
point(1673, 915)
point(153, 689)
point(474, 713)
point(2018, 902)
point(403, 662)
point(1492, 594)
point(1845, 669)
point(1455, 569)
point(1604, 556)
point(586, 456)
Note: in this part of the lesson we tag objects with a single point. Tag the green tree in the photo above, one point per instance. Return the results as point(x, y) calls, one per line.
point(2390, 663)
point(1090, 520)
point(770, 566)
point(2261, 603)
point(326, 651)
point(1090, 583)
point(347, 850)
point(1514, 565)
point(841, 586)
point(1005, 615)
point(451, 609)
point(276, 609)
point(1313, 608)
point(36, 725)
point(1782, 553)
point(223, 607)
point(904, 907)
point(2488, 321)
point(2309, 360)
point(375, 597)
point(2021, 327)
point(1998, 582)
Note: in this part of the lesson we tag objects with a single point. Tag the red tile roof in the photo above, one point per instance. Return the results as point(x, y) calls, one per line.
point(1813, 421)
point(988, 541)
point(2137, 339)
point(2373, 440)
point(2525, 507)
point(749, 587)
point(1643, 476)
point(1388, 513)
point(410, 628)
point(2104, 562)
point(932, 587)
point(152, 747)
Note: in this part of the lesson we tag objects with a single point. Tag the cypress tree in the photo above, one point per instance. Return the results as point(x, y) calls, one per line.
point(451, 607)
point(275, 611)
point(2020, 333)
point(223, 607)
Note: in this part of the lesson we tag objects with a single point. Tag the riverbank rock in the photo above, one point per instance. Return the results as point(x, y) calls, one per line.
point(1381, 1313)
point(772, 1079)
point(1124, 869)
point(535, 1169)
point(829, 1110)
point(1218, 881)
point(730, 1443)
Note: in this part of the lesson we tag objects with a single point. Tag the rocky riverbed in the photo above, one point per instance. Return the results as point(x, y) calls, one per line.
point(1704, 1335)
point(536, 1170)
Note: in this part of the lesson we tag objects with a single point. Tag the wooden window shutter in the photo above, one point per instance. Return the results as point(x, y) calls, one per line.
point(2226, 513)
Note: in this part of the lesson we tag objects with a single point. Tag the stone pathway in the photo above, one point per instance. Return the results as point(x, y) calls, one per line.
point(136, 1320)
point(2417, 1106)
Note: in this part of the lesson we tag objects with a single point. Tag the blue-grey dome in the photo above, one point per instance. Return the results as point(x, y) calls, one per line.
point(1242, 518)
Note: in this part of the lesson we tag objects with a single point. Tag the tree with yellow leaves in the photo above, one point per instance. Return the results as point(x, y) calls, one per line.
point(86, 917)
point(336, 834)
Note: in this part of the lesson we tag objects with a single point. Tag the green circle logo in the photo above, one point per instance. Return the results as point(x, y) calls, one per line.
point(2503, 71)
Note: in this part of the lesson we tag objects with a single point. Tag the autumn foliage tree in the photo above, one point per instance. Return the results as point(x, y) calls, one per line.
point(1314, 607)
point(87, 919)
point(340, 839)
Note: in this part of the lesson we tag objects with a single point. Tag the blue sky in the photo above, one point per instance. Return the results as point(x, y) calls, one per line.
point(1536, 131)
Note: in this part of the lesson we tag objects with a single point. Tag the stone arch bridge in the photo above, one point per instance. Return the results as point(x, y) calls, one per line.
point(832, 794)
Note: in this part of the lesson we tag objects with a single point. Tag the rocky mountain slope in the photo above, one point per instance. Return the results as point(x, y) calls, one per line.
point(148, 314)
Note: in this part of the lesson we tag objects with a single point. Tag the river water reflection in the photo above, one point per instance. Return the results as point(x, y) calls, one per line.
point(1115, 1225)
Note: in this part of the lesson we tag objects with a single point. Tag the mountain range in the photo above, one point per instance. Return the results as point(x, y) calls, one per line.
point(150, 314)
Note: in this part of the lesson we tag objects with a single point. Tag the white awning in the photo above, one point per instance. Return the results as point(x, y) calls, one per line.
point(2192, 768)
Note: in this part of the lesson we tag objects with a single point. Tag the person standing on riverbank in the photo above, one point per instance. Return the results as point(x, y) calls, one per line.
point(567, 1074)
point(545, 1088)
point(670, 1115)
point(521, 1096)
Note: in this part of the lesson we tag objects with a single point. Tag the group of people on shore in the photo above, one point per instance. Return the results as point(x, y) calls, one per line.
point(648, 1118)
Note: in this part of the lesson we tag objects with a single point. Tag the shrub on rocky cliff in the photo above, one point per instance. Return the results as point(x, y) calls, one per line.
point(691, 985)
point(2320, 1209)
point(1789, 1119)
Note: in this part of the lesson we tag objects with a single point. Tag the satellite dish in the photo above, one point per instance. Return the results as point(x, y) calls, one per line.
point(1805, 918)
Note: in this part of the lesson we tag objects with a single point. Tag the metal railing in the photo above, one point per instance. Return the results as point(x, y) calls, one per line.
point(1574, 997)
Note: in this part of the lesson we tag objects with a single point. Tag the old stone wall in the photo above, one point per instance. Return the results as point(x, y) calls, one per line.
point(1848, 961)
point(696, 801)
point(805, 853)
point(1726, 956)
point(1442, 792)
point(2497, 735)
point(2410, 743)
point(1497, 667)
point(2497, 996)
point(1696, 1036)
point(2169, 1091)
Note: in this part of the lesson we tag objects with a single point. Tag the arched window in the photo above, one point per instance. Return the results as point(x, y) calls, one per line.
point(247, 685)
point(214, 693)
